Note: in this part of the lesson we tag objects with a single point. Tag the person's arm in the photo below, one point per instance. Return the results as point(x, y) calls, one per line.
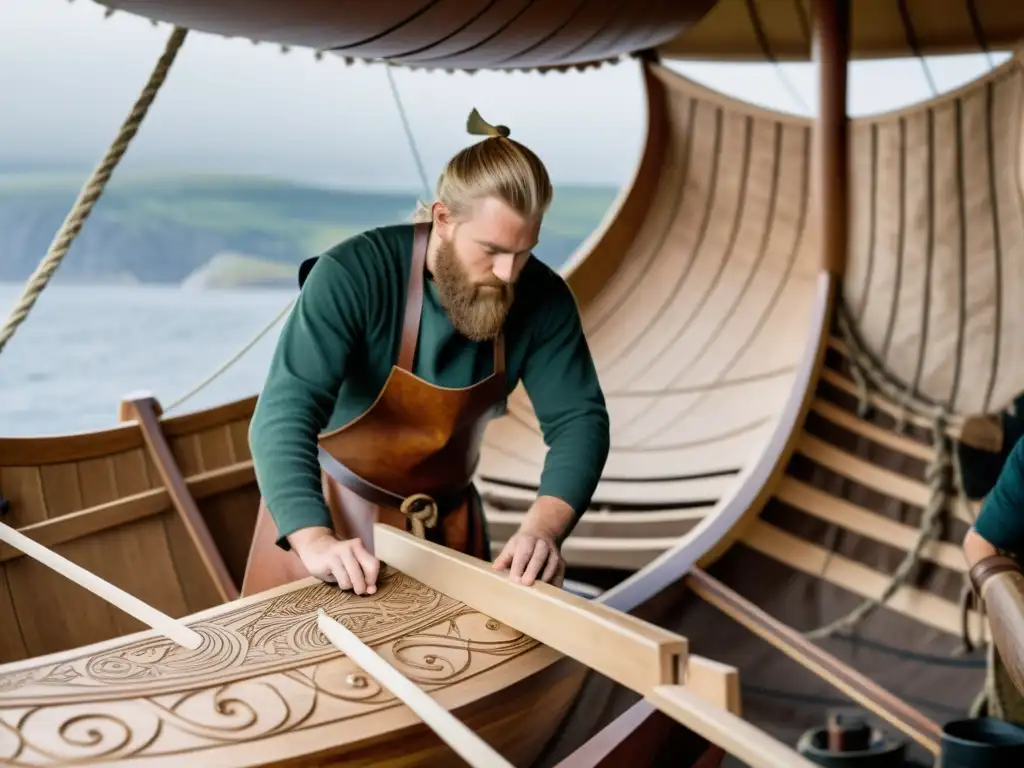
point(561, 380)
point(299, 394)
point(1000, 524)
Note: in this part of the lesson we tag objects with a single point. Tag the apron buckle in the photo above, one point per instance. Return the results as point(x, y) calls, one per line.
point(421, 510)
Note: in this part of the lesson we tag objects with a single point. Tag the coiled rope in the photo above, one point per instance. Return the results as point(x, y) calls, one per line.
point(92, 190)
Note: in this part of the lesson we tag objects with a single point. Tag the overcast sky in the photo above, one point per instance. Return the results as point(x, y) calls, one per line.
point(68, 78)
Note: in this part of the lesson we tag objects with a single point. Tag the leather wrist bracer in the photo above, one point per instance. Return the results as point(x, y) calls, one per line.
point(988, 567)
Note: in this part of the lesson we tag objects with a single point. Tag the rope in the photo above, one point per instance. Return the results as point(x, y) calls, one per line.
point(231, 360)
point(931, 526)
point(867, 373)
point(408, 131)
point(92, 190)
point(220, 370)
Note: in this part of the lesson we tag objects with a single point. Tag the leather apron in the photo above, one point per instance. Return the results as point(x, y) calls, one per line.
point(407, 461)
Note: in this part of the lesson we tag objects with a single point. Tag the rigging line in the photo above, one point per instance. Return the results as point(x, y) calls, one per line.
point(979, 33)
point(408, 131)
point(754, 17)
point(790, 86)
point(915, 46)
point(233, 359)
point(93, 189)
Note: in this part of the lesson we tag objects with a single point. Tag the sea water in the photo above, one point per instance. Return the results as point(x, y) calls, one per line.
point(83, 347)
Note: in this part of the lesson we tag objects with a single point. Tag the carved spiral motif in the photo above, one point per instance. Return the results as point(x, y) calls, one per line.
point(262, 670)
point(341, 679)
point(241, 711)
point(162, 658)
point(82, 732)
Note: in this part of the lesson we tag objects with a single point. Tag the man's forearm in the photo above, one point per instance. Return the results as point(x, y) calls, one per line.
point(287, 469)
point(572, 470)
point(549, 516)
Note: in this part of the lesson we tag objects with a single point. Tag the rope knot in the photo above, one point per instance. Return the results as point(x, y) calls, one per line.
point(421, 510)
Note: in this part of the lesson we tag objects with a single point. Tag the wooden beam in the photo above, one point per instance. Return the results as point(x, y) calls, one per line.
point(831, 51)
point(823, 664)
point(146, 411)
point(630, 651)
point(733, 734)
point(138, 506)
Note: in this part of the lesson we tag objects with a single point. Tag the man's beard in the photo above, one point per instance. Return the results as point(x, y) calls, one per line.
point(477, 311)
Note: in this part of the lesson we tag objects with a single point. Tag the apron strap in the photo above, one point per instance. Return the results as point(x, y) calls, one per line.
point(499, 354)
point(414, 296)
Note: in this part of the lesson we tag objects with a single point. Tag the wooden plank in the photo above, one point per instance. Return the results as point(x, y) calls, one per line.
point(845, 514)
point(864, 428)
point(626, 649)
point(130, 604)
point(733, 734)
point(861, 689)
point(917, 604)
point(145, 411)
point(75, 525)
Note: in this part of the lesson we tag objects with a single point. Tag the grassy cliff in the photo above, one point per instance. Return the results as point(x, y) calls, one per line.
point(164, 228)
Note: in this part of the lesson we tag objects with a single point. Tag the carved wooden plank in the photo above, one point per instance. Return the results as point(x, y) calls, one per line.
point(626, 649)
point(145, 411)
point(453, 732)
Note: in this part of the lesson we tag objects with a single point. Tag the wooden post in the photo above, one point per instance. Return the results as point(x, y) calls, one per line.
point(145, 410)
point(831, 42)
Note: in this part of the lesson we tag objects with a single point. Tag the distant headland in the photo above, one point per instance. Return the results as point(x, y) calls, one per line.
point(219, 231)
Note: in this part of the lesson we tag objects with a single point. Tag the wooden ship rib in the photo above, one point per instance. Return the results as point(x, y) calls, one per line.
point(789, 363)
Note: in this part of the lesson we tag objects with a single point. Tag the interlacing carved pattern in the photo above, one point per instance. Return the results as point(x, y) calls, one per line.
point(263, 670)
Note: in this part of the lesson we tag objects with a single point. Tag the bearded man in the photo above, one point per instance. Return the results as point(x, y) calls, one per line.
point(404, 342)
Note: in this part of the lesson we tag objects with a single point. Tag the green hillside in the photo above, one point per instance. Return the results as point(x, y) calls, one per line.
point(162, 228)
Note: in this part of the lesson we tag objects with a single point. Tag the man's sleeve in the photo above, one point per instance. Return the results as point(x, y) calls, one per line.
point(1001, 521)
point(300, 391)
point(561, 381)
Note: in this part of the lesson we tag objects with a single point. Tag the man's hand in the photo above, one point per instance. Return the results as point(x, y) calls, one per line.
point(330, 559)
point(530, 555)
point(532, 552)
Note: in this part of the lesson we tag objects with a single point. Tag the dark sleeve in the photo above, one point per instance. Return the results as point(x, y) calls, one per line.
point(1001, 521)
point(302, 384)
point(561, 381)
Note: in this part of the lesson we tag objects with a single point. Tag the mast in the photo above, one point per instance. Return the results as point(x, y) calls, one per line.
point(831, 50)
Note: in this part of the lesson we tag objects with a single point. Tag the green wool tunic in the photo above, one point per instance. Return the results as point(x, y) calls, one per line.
point(343, 335)
point(1001, 520)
